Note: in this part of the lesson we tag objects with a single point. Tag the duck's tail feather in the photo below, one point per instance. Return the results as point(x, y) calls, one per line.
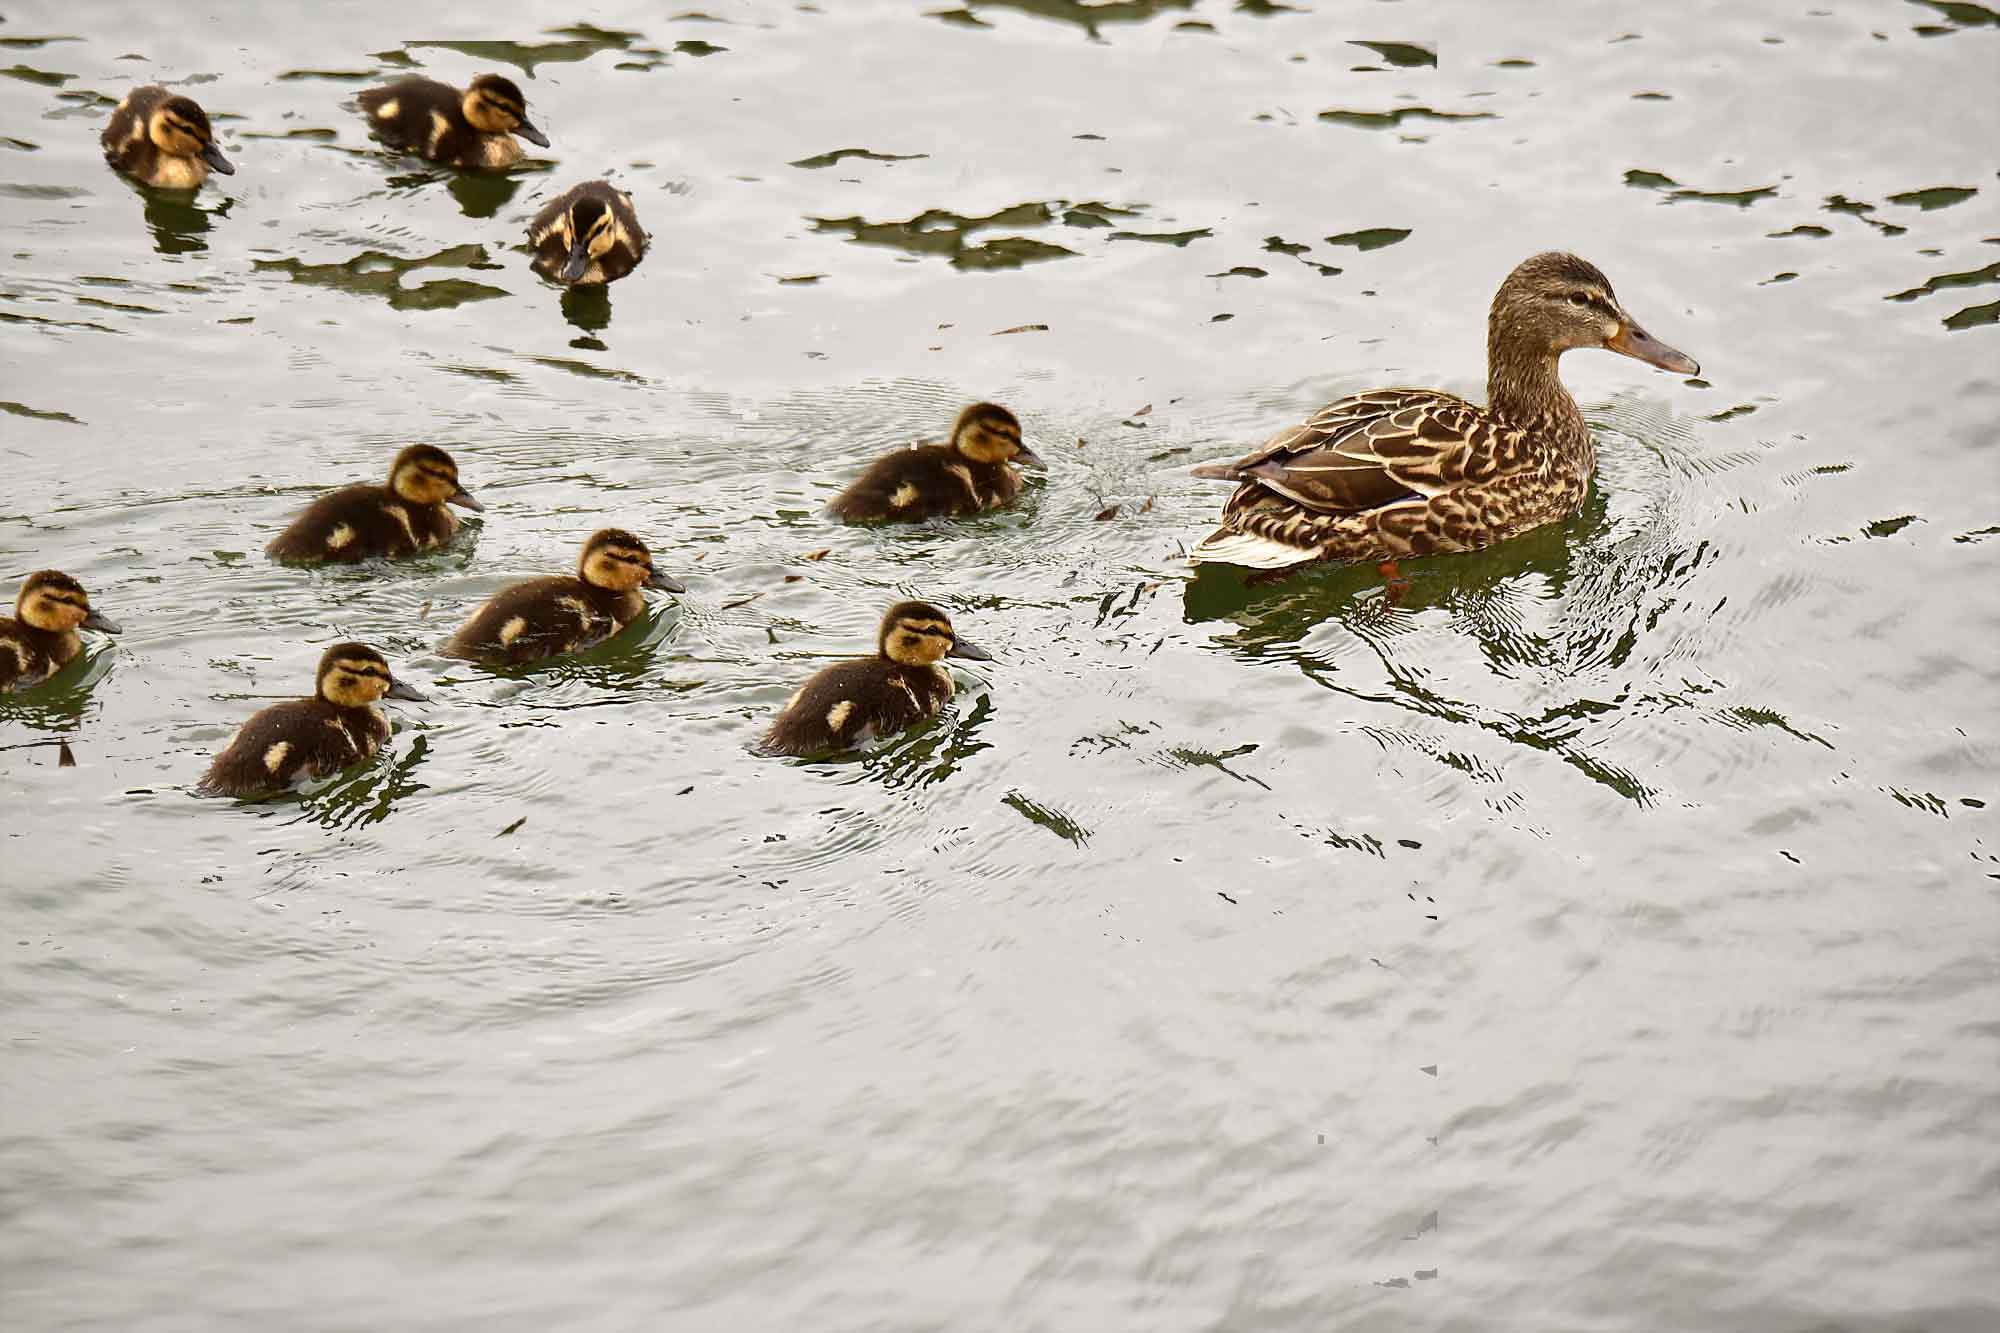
point(1228, 546)
point(1218, 472)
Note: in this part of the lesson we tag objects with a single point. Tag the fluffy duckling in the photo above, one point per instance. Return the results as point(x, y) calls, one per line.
point(161, 139)
point(547, 617)
point(311, 738)
point(966, 476)
point(474, 128)
point(41, 637)
point(588, 234)
point(361, 522)
point(851, 702)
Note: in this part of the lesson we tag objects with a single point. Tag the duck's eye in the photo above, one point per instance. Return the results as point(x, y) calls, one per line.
point(1579, 298)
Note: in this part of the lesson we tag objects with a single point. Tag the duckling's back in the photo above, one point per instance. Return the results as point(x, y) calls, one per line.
point(301, 738)
point(925, 482)
point(851, 702)
point(362, 522)
point(29, 656)
point(539, 618)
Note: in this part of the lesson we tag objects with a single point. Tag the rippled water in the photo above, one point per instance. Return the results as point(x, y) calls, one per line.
point(1601, 938)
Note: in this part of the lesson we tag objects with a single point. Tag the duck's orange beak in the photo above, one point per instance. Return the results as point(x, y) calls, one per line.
point(1635, 342)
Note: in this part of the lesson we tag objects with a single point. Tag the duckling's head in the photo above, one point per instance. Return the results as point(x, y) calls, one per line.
point(493, 105)
point(1556, 301)
point(615, 560)
point(53, 601)
point(353, 675)
point(179, 128)
point(989, 433)
point(919, 633)
point(424, 474)
point(591, 228)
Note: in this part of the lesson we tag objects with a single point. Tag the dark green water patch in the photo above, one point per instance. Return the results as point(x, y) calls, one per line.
point(1889, 527)
point(1641, 179)
point(1077, 13)
point(1055, 821)
point(1944, 281)
point(1937, 196)
point(1962, 14)
point(1855, 208)
point(1177, 239)
point(377, 273)
point(28, 74)
point(36, 414)
point(331, 75)
point(1371, 238)
point(1403, 55)
point(1974, 316)
point(941, 232)
point(1803, 229)
point(1389, 120)
point(583, 41)
point(819, 160)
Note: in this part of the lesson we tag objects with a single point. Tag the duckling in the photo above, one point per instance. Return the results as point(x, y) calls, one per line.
point(161, 139)
point(548, 617)
point(474, 128)
point(361, 522)
point(41, 638)
point(588, 234)
point(966, 476)
point(851, 702)
point(311, 738)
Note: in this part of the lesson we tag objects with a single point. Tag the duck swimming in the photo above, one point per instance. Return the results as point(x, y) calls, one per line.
point(41, 637)
point(311, 738)
point(362, 522)
point(971, 473)
point(1394, 473)
point(851, 702)
point(162, 139)
point(565, 613)
point(588, 234)
point(470, 130)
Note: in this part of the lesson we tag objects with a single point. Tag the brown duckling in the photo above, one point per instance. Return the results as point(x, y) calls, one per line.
point(41, 637)
point(402, 518)
point(469, 129)
point(851, 702)
point(968, 475)
point(564, 613)
point(311, 738)
point(588, 234)
point(161, 139)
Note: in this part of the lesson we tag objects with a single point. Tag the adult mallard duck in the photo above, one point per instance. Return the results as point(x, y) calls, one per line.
point(588, 234)
point(41, 637)
point(311, 738)
point(851, 702)
point(162, 139)
point(471, 129)
point(1394, 473)
point(971, 473)
point(564, 613)
point(362, 522)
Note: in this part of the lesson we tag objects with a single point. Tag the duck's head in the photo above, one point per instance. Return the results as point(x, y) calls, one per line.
point(1555, 301)
point(179, 128)
point(494, 105)
point(989, 433)
point(589, 228)
point(919, 634)
point(53, 601)
point(615, 560)
point(424, 474)
point(353, 675)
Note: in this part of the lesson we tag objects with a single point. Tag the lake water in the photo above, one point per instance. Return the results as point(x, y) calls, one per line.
point(1601, 937)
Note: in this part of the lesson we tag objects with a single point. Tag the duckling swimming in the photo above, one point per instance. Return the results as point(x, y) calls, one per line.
point(402, 518)
point(311, 738)
point(548, 617)
point(851, 702)
point(469, 129)
point(588, 234)
point(41, 637)
point(966, 476)
point(161, 139)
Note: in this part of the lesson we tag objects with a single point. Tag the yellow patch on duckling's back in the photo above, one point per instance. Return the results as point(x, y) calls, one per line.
point(440, 126)
point(905, 496)
point(338, 539)
point(836, 716)
point(274, 758)
point(388, 110)
point(513, 629)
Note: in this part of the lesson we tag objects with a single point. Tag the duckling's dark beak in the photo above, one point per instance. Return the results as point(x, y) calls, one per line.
point(102, 623)
point(1027, 457)
point(665, 582)
point(398, 690)
point(578, 262)
point(213, 156)
point(465, 499)
point(1635, 342)
point(969, 650)
point(532, 135)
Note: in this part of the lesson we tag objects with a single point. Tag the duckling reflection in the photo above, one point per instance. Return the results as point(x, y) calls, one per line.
point(41, 637)
point(470, 130)
point(162, 139)
point(970, 473)
point(364, 522)
point(548, 617)
point(303, 739)
point(850, 703)
point(587, 235)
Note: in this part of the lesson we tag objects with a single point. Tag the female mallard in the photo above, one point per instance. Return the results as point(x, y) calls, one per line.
point(161, 139)
point(967, 475)
point(361, 522)
point(1393, 473)
point(311, 738)
point(469, 129)
point(588, 234)
point(41, 637)
point(564, 614)
point(851, 702)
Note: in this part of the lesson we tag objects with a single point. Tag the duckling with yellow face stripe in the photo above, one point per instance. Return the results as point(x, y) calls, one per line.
point(473, 129)
point(586, 235)
point(41, 637)
point(849, 703)
point(564, 614)
point(161, 139)
point(361, 522)
point(311, 738)
point(973, 472)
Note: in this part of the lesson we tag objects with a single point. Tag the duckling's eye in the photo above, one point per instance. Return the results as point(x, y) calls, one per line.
point(1579, 298)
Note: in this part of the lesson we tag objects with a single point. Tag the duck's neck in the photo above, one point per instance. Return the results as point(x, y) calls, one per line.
point(1524, 390)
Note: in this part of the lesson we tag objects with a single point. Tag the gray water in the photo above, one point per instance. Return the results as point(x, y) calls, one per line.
point(1601, 937)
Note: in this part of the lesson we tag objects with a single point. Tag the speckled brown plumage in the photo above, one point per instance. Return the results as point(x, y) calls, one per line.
point(41, 637)
point(162, 139)
point(547, 617)
point(848, 703)
point(972, 473)
point(471, 130)
point(303, 739)
point(364, 522)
